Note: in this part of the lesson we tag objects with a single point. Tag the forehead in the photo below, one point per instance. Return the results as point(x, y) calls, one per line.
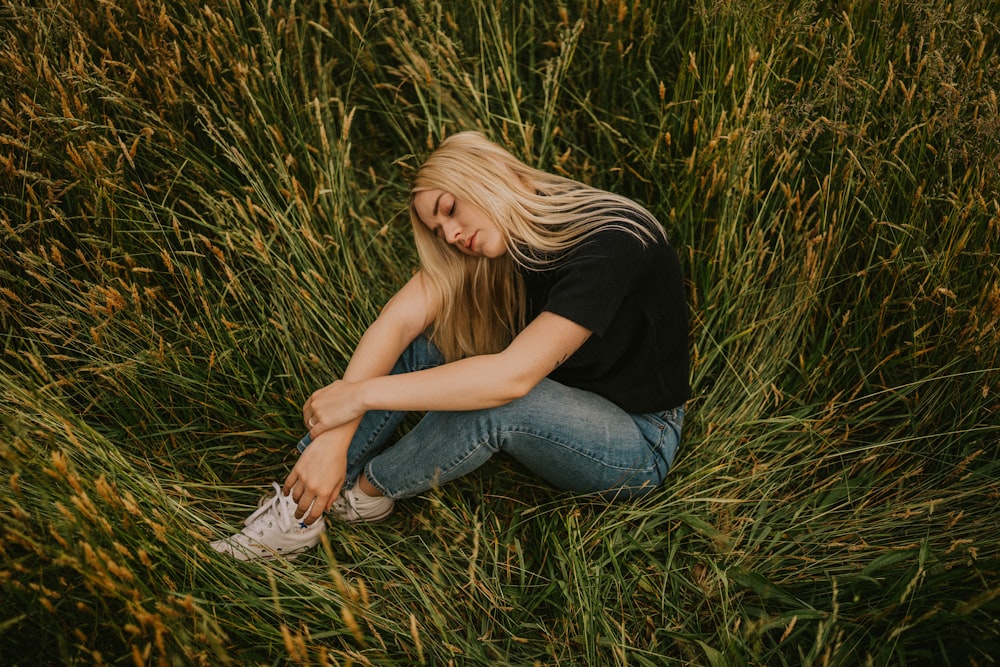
point(425, 201)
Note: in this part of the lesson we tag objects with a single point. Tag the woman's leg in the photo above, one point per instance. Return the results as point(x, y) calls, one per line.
point(573, 439)
point(377, 427)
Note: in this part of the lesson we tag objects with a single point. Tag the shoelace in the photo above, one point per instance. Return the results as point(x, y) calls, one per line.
point(277, 505)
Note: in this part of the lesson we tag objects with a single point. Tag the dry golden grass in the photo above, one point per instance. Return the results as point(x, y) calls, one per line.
point(202, 207)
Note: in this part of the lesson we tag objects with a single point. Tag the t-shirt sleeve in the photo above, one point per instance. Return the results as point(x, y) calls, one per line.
point(589, 287)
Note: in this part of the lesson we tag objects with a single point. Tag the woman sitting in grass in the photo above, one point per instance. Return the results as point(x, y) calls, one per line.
point(547, 321)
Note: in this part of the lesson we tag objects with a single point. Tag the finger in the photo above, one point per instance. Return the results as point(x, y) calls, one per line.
point(314, 513)
point(305, 503)
point(290, 482)
point(333, 497)
point(299, 507)
point(317, 428)
point(307, 409)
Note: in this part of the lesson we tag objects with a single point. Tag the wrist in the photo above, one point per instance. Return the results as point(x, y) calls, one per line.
point(361, 393)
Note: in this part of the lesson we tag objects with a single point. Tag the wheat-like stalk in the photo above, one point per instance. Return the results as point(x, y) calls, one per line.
point(202, 206)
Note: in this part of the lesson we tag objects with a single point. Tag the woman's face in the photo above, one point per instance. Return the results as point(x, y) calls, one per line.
point(460, 223)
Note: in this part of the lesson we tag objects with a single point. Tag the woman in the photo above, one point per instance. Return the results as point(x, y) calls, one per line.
point(547, 321)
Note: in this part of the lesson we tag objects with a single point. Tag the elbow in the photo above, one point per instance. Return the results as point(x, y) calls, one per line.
point(511, 380)
point(517, 386)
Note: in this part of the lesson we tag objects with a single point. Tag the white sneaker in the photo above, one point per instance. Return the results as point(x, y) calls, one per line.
point(272, 531)
point(356, 505)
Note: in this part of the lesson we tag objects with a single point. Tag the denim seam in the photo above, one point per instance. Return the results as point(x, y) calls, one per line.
point(451, 465)
point(366, 471)
point(583, 453)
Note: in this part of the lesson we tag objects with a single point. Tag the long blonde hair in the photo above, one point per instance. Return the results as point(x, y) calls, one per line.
point(481, 301)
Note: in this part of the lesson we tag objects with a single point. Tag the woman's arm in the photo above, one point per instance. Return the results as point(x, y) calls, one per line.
point(476, 382)
point(404, 317)
point(319, 473)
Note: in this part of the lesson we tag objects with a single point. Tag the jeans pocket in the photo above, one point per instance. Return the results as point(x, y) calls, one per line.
point(663, 432)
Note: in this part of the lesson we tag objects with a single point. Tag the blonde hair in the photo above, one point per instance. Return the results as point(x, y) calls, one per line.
point(481, 301)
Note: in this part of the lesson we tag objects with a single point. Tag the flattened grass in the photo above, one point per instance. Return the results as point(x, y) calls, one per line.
point(202, 207)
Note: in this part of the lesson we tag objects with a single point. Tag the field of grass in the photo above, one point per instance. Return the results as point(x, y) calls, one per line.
point(202, 205)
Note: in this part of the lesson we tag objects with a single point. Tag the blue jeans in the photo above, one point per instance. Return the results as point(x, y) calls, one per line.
point(571, 438)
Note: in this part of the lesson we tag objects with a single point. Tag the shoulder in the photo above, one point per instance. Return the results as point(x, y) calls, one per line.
point(626, 239)
point(414, 305)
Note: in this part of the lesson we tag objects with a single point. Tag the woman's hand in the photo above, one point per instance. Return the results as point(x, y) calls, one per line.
point(332, 406)
point(332, 414)
point(319, 473)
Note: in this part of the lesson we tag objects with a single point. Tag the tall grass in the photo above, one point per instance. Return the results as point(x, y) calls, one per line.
point(202, 207)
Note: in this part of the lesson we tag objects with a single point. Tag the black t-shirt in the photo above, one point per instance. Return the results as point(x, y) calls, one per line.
point(631, 296)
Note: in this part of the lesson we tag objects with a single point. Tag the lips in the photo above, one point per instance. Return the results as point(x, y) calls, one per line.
point(470, 245)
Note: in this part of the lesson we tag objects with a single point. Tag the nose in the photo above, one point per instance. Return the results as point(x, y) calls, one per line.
point(452, 232)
